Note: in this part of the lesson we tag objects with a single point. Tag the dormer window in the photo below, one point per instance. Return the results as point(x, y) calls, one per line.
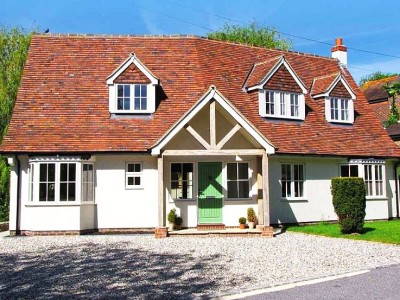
point(132, 88)
point(279, 104)
point(131, 97)
point(339, 98)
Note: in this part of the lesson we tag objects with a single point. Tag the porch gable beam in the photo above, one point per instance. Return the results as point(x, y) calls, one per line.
point(212, 125)
point(229, 135)
point(198, 137)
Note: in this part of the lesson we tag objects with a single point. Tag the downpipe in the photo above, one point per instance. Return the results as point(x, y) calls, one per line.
point(396, 188)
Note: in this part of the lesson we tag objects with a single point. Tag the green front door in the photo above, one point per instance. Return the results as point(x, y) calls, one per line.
point(210, 193)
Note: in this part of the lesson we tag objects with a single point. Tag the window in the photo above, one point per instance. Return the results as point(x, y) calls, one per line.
point(67, 181)
point(182, 180)
point(238, 180)
point(339, 110)
point(133, 175)
point(87, 182)
point(60, 181)
point(131, 102)
point(373, 180)
point(292, 180)
point(282, 105)
point(372, 173)
point(47, 182)
point(349, 171)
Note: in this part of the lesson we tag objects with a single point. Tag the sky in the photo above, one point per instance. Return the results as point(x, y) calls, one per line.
point(311, 25)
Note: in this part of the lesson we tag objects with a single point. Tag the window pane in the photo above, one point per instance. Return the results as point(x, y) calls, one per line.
point(51, 192)
point(72, 172)
point(243, 170)
point(344, 171)
point(52, 172)
point(282, 102)
point(137, 103)
point(232, 189)
point(243, 189)
point(63, 192)
point(90, 194)
point(143, 104)
point(130, 181)
point(71, 191)
point(131, 168)
point(144, 90)
point(43, 172)
point(354, 171)
point(137, 90)
point(137, 180)
point(232, 171)
point(137, 168)
point(127, 104)
point(127, 90)
point(120, 105)
point(187, 171)
point(120, 90)
point(42, 191)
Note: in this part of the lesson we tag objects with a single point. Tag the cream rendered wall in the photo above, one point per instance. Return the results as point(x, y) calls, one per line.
point(317, 203)
point(118, 207)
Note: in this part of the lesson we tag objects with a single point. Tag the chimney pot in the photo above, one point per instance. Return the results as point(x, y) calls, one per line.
point(339, 51)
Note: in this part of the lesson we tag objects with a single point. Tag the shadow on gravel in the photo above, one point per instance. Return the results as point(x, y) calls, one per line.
point(96, 272)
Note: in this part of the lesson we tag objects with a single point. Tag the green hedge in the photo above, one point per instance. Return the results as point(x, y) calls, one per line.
point(4, 190)
point(349, 203)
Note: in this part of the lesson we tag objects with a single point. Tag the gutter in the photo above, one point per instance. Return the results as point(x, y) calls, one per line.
point(396, 188)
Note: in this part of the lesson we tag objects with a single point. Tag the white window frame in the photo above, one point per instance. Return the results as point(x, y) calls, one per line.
point(340, 101)
point(292, 181)
point(83, 197)
point(133, 175)
point(362, 164)
point(249, 172)
point(282, 109)
point(132, 97)
point(34, 180)
point(192, 180)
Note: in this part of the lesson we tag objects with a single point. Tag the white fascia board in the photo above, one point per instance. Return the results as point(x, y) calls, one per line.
point(282, 61)
point(335, 82)
point(132, 59)
point(212, 93)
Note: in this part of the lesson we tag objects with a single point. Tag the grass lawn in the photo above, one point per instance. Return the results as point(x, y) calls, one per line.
point(378, 231)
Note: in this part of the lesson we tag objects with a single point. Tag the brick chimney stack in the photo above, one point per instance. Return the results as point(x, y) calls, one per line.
point(339, 51)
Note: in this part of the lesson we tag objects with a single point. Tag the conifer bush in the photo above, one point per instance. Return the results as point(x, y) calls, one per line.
point(348, 196)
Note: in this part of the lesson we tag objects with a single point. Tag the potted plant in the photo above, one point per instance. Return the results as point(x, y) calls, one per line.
point(242, 222)
point(251, 217)
point(171, 219)
point(178, 223)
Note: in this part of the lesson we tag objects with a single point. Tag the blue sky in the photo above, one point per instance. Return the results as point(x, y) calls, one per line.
point(366, 25)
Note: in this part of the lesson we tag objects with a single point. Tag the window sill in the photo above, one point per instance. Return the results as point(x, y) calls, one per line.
point(134, 188)
point(283, 117)
point(238, 199)
point(294, 200)
point(182, 199)
point(47, 204)
point(376, 198)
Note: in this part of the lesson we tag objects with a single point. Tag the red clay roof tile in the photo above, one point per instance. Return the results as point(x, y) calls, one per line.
point(62, 103)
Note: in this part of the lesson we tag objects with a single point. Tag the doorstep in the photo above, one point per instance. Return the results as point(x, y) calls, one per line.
point(222, 232)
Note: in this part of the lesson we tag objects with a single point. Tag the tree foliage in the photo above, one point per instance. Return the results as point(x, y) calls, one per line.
point(252, 35)
point(14, 45)
point(376, 76)
point(393, 90)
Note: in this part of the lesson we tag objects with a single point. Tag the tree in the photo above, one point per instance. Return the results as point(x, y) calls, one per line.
point(376, 76)
point(14, 45)
point(252, 35)
point(393, 90)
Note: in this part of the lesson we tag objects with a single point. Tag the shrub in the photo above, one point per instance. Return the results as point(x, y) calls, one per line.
point(242, 220)
point(251, 215)
point(178, 221)
point(4, 190)
point(172, 215)
point(349, 203)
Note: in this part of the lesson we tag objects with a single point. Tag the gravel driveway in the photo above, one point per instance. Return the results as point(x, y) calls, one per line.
point(142, 267)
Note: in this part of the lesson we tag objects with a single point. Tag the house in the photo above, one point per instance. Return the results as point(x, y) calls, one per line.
point(379, 100)
point(109, 133)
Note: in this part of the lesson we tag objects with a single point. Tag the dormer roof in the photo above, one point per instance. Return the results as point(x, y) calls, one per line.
point(331, 85)
point(134, 66)
point(261, 73)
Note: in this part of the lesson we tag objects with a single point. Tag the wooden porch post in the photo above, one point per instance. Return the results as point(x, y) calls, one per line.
point(267, 229)
point(161, 230)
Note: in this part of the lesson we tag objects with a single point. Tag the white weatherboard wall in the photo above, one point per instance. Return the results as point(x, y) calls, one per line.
point(317, 203)
point(118, 207)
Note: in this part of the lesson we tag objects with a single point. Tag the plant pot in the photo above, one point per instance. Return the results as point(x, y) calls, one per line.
point(251, 225)
point(178, 227)
point(171, 226)
point(242, 226)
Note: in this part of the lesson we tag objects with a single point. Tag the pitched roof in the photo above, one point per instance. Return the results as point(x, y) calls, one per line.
point(62, 103)
point(322, 83)
point(260, 70)
point(373, 90)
